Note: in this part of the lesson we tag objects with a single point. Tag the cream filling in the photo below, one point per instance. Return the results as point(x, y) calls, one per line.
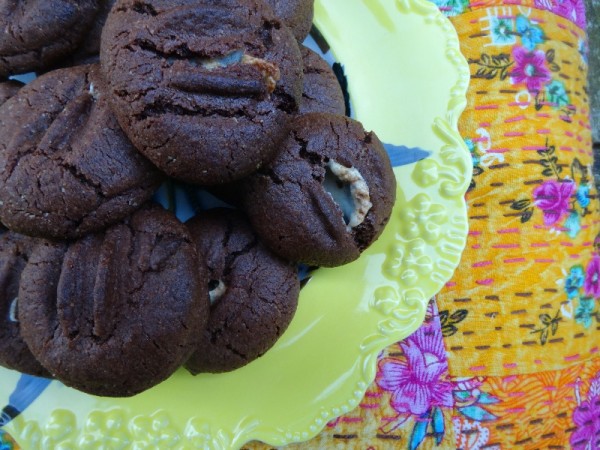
point(216, 292)
point(353, 194)
point(269, 71)
point(12, 312)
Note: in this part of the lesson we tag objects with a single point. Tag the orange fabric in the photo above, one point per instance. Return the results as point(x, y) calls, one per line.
point(512, 278)
point(534, 411)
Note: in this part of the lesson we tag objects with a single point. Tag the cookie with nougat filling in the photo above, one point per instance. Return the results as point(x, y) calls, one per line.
point(328, 194)
point(253, 292)
point(206, 88)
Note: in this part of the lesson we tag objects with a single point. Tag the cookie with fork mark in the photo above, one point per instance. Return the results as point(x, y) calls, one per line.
point(204, 89)
point(36, 34)
point(117, 312)
point(67, 168)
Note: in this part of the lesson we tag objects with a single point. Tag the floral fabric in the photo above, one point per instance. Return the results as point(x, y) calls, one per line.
point(415, 403)
point(572, 10)
point(541, 410)
point(528, 285)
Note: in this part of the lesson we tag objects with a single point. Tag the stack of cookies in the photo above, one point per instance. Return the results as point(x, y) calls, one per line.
point(109, 292)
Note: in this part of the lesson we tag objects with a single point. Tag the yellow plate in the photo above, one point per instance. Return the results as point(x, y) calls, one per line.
point(407, 81)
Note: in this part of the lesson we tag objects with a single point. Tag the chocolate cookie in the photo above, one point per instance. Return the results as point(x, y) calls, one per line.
point(14, 353)
point(327, 195)
point(8, 89)
point(322, 91)
point(296, 14)
point(88, 51)
point(66, 168)
point(36, 34)
point(254, 293)
point(115, 313)
point(203, 88)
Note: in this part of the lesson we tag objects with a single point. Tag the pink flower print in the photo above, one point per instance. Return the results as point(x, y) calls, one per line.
point(591, 284)
point(564, 8)
point(574, 10)
point(587, 419)
point(530, 69)
point(595, 386)
point(553, 198)
point(429, 339)
point(417, 382)
point(544, 4)
point(579, 13)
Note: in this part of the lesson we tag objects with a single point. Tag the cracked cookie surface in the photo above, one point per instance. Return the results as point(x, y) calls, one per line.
point(37, 33)
point(88, 51)
point(115, 313)
point(8, 89)
point(204, 89)
point(322, 91)
point(66, 167)
point(254, 293)
point(15, 250)
point(296, 14)
point(326, 196)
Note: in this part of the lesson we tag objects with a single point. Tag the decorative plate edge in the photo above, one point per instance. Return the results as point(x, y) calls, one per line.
point(457, 154)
